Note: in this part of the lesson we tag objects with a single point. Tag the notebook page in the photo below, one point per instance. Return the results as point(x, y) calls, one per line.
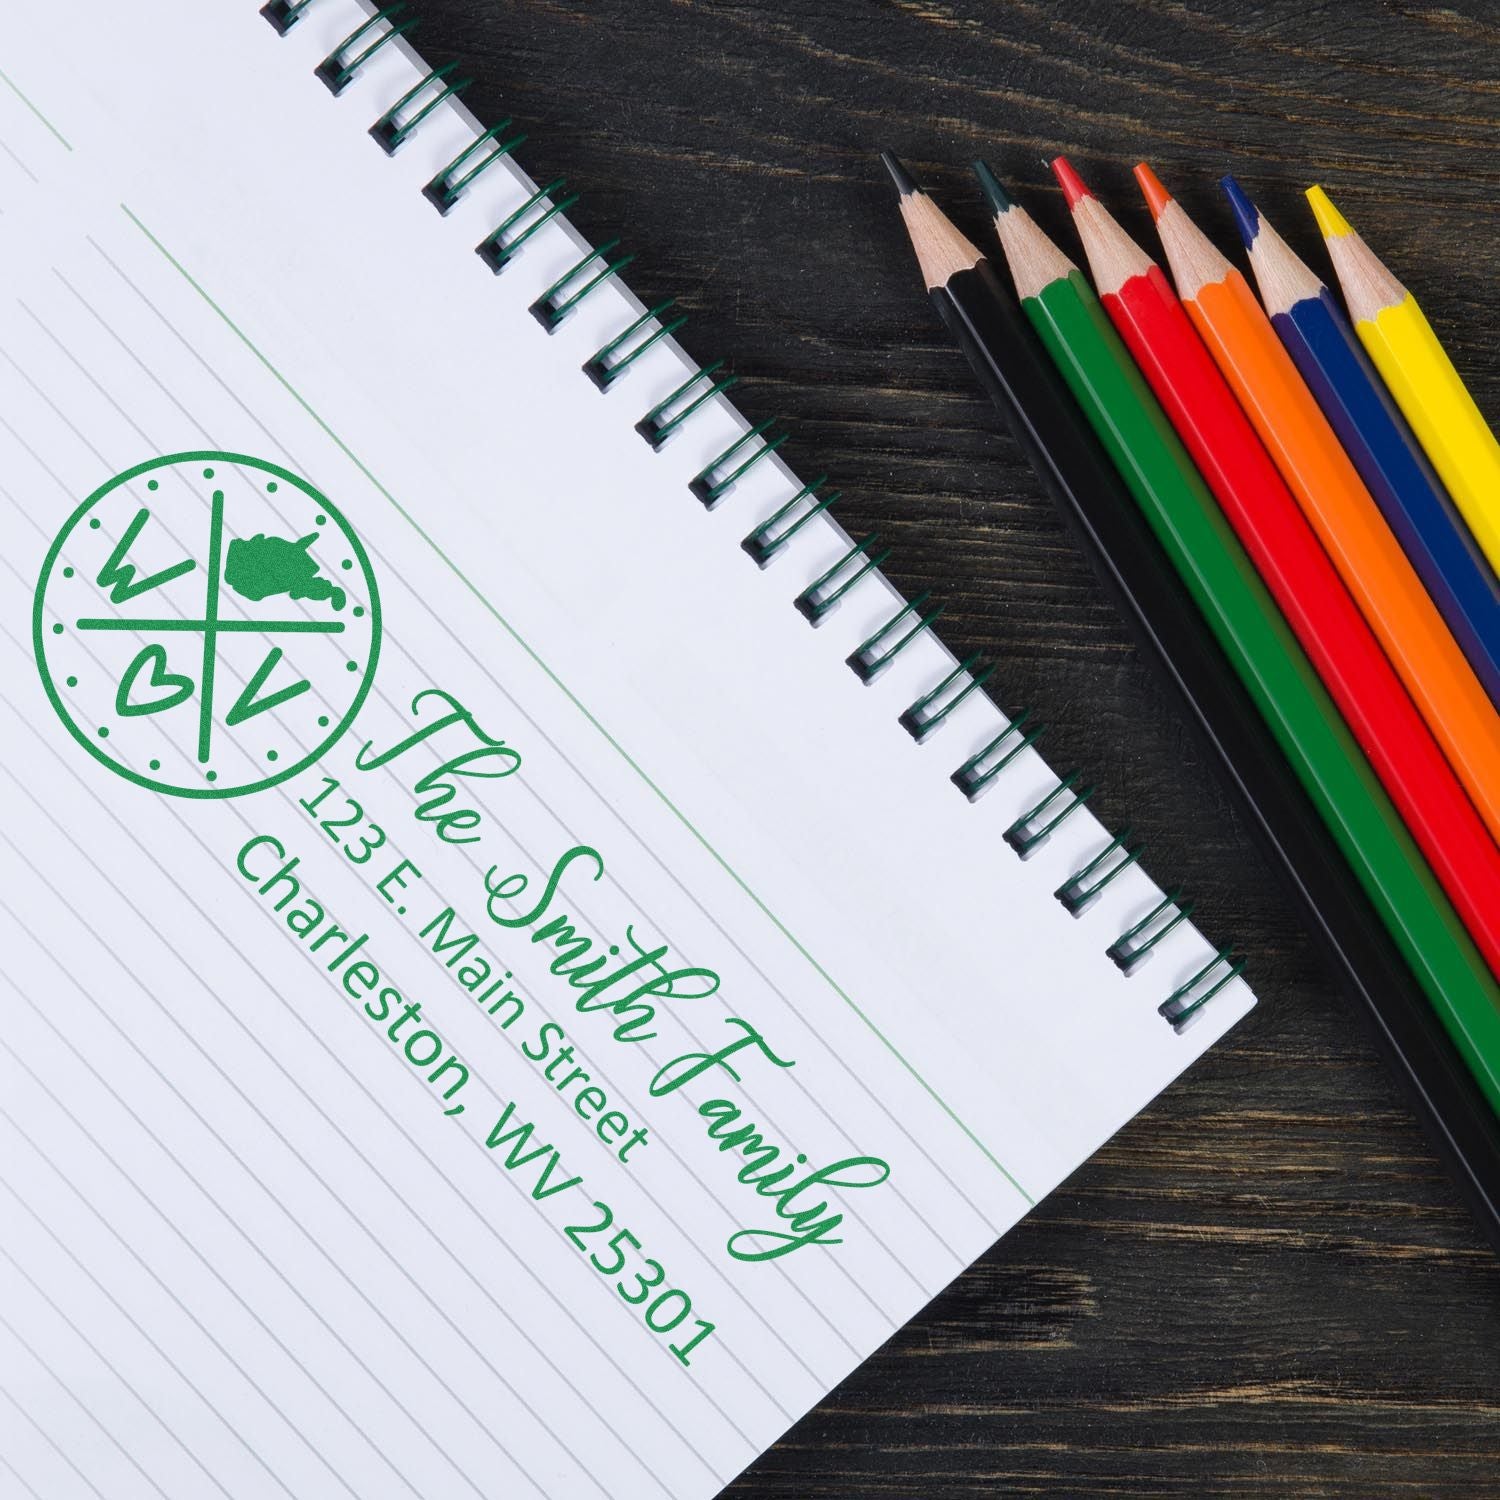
point(545, 1021)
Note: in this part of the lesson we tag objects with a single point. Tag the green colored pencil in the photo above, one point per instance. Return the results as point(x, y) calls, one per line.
point(1155, 466)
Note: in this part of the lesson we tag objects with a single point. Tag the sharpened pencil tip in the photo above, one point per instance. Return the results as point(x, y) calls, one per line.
point(1332, 225)
point(1246, 214)
point(1156, 196)
point(994, 194)
point(906, 184)
point(1074, 188)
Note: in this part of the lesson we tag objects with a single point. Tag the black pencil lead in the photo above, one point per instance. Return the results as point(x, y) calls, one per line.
point(906, 184)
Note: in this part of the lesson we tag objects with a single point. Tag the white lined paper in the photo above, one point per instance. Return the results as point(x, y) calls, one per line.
point(289, 1213)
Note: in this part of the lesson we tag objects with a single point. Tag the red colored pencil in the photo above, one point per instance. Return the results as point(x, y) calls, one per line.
point(1297, 570)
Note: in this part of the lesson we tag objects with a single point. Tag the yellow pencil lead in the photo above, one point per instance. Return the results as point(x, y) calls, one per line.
point(1331, 223)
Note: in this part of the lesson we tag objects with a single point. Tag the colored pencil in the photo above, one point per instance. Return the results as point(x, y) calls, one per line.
point(1379, 443)
point(1334, 500)
point(1419, 374)
point(1116, 538)
point(1255, 639)
point(1280, 540)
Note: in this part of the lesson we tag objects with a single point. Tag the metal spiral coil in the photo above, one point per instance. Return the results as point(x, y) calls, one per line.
point(977, 774)
point(712, 483)
point(337, 70)
point(573, 285)
point(394, 128)
point(1136, 944)
point(1188, 999)
point(284, 14)
point(609, 363)
point(716, 478)
point(829, 587)
point(666, 417)
point(498, 247)
point(930, 711)
point(1083, 887)
point(458, 176)
point(869, 660)
point(1027, 834)
point(783, 524)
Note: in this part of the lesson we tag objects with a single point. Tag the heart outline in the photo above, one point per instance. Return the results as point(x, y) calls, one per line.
point(181, 688)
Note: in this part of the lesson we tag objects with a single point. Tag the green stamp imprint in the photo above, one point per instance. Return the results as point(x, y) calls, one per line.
point(188, 597)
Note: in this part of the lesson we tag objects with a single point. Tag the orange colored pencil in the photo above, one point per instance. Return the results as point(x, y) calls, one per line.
point(1341, 510)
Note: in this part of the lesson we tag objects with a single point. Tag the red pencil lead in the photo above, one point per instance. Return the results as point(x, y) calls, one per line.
point(1074, 188)
point(1156, 196)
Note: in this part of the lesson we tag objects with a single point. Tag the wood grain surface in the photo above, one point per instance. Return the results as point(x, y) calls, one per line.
point(1264, 1286)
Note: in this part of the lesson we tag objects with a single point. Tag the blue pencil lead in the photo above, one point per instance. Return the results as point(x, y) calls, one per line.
point(1246, 215)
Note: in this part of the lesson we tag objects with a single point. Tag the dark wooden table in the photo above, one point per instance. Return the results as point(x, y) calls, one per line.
point(1264, 1286)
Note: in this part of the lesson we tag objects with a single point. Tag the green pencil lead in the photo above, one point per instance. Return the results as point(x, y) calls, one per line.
point(994, 194)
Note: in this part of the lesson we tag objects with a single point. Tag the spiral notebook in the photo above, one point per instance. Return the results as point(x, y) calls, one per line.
point(525, 960)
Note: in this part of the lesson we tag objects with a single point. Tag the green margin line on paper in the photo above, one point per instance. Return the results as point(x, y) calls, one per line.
point(10, 83)
point(567, 692)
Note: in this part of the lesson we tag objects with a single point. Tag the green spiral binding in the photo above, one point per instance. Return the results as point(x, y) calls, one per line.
point(1025, 836)
point(610, 362)
point(712, 483)
point(973, 781)
point(1083, 886)
point(825, 591)
point(657, 425)
point(498, 247)
point(1182, 1004)
point(977, 774)
point(766, 541)
point(445, 189)
point(919, 722)
point(336, 72)
point(552, 307)
point(871, 658)
point(284, 14)
point(393, 135)
point(1136, 943)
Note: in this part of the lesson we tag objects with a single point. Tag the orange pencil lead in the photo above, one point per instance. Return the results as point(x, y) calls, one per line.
point(1156, 196)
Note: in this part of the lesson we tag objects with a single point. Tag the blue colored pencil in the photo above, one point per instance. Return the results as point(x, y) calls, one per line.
point(1408, 491)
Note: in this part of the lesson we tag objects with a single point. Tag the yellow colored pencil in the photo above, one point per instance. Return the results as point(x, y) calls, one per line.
point(1419, 374)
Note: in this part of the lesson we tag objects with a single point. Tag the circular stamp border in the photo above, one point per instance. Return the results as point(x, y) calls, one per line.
point(38, 634)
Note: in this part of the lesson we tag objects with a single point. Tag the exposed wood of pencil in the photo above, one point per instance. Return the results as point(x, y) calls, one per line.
point(1368, 287)
point(1034, 261)
point(1283, 277)
point(1112, 255)
point(942, 249)
point(1195, 260)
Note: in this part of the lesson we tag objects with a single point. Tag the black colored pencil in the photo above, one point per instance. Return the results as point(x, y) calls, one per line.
point(1041, 414)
